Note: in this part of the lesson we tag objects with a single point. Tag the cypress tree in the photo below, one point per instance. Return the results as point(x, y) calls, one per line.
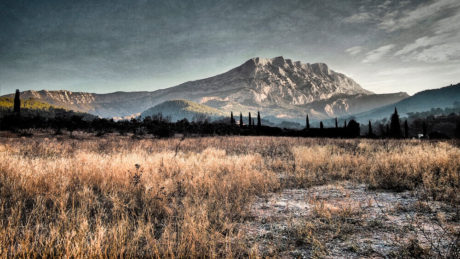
point(370, 133)
point(250, 120)
point(232, 121)
point(336, 123)
point(308, 123)
point(259, 123)
point(321, 126)
point(253, 122)
point(345, 124)
point(17, 102)
point(241, 119)
point(406, 129)
point(353, 129)
point(457, 129)
point(424, 129)
point(381, 130)
point(395, 125)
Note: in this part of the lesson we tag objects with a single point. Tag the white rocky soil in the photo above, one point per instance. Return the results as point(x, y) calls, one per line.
point(346, 220)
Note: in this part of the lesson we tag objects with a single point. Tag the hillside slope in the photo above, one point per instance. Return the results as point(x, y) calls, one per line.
point(33, 104)
point(419, 102)
point(179, 109)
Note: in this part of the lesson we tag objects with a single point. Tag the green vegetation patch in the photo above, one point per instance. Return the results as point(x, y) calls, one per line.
point(190, 106)
point(33, 104)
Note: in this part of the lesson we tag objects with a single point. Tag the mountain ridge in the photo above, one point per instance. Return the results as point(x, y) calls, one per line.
point(273, 86)
point(422, 101)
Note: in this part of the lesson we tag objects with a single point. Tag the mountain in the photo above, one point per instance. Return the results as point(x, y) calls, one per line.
point(422, 101)
point(277, 87)
point(276, 82)
point(282, 89)
point(180, 109)
point(349, 104)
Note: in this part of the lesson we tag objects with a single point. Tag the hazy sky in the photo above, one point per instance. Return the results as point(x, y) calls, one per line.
point(104, 46)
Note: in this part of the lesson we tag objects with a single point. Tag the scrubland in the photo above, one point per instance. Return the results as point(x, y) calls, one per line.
point(117, 196)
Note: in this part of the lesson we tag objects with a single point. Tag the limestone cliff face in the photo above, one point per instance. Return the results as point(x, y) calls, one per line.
point(271, 82)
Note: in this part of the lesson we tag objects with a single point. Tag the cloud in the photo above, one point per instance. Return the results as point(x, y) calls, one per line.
point(377, 54)
point(418, 43)
point(384, 4)
point(404, 71)
point(397, 20)
point(359, 18)
point(371, 12)
point(441, 47)
point(354, 50)
point(449, 24)
point(439, 53)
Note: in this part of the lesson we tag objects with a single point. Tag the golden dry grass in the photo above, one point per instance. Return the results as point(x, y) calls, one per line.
point(80, 198)
point(393, 165)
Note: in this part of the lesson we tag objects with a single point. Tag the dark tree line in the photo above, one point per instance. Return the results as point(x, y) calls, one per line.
point(162, 127)
point(350, 130)
point(392, 130)
point(433, 127)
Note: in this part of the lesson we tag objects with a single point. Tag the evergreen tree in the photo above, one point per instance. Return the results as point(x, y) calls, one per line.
point(232, 121)
point(241, 119)
point(321, 126)
point(259, 123)
point(457, 130)
point(353, 129)
point(387, 133)
point(345, 124)
point(370, 133)
point(395, 125)
point(381, 130)
point(406, 129)
point(17, 102)
point(308, 123)
point(250, 120)
point(336, 123)
point(253, 123)
point(424, 130)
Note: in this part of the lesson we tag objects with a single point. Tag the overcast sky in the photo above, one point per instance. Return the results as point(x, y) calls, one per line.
point(133, 45)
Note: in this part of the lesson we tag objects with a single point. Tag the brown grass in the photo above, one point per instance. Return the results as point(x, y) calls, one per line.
point(87, 197)
point(391, 165)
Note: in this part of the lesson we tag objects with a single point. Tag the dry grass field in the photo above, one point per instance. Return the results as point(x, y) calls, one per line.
point(117, 196)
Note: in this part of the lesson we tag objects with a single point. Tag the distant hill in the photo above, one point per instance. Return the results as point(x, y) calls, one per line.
point(180, 109)
point(32, 107)
point(33, 104)
point(420, 102)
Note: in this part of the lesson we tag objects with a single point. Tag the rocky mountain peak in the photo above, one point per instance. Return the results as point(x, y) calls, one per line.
point(280, 63)
point(317, 78)
point(320, 68)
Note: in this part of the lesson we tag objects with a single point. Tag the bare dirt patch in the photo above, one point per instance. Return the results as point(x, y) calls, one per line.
point(350, 220)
